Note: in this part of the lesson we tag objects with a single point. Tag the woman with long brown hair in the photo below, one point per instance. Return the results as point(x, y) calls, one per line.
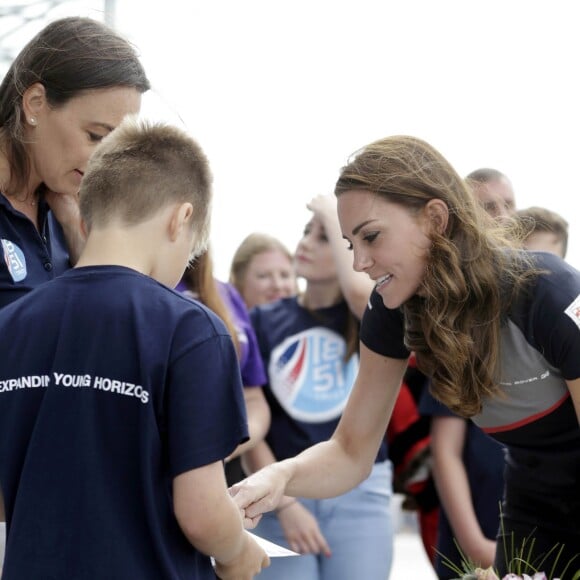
point(496, 328)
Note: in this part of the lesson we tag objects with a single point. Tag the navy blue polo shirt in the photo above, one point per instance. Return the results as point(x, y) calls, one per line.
point(29, 257)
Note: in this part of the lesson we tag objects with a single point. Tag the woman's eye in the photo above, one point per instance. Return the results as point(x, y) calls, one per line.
point(94, 137)
point(370, 238)
point(349, 246)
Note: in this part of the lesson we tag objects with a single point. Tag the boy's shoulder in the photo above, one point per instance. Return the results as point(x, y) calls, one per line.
point(193, 310)
point(113, 291)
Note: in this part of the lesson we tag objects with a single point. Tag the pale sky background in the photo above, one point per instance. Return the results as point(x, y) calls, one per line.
point(279, 94)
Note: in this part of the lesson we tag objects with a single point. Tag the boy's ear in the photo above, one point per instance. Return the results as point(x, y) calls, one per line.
point(180, 219)
point(437, 212)
point(84, 229)
point(33, 102)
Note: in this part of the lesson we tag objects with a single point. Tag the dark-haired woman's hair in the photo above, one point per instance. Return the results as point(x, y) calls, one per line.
point(67, 57)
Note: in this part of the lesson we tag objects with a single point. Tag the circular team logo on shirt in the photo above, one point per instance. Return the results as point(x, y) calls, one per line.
point(309, 377)
point(15, 260)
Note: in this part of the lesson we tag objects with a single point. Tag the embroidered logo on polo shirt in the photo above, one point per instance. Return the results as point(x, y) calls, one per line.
point(573, 311)
point(15, 260)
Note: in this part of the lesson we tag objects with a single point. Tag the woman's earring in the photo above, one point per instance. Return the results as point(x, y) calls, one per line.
point(32, 121)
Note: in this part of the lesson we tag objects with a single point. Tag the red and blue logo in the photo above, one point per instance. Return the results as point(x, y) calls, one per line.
point(309, 376)
point(15, 260)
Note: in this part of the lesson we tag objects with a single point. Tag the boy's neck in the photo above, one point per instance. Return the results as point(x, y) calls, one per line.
point(116, 246)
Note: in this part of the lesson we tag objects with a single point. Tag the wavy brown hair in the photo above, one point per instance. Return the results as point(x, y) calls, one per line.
point(473, 273)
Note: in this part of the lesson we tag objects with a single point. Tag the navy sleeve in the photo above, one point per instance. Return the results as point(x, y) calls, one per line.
point(382, 329)
point(206, 417)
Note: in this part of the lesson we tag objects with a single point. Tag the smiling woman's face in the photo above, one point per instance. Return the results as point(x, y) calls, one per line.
point(390, 243)
point(269, 277)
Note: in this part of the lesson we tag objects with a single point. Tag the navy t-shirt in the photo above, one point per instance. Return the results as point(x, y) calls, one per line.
point(309, 381)
point(540, 349)
point(111, 385)
point(29, 257)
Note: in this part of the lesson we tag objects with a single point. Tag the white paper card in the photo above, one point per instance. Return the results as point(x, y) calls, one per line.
point(273, 550)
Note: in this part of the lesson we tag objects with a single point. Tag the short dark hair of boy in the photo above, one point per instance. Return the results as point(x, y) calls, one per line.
point(541, 219)
point(141, 167)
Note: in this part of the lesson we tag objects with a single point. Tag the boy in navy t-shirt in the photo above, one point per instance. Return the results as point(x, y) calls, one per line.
point(120, 398)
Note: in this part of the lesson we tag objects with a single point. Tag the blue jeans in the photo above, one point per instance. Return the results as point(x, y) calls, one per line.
point(358, 527)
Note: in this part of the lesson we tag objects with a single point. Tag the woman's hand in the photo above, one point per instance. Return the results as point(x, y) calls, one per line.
point(260, 493)
point(324, 207)
point(65, 208)
point(301, 529)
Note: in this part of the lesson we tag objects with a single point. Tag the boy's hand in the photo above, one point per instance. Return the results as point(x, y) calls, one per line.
point(249, 563)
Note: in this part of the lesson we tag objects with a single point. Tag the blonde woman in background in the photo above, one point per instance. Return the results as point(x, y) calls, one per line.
point(262, 270)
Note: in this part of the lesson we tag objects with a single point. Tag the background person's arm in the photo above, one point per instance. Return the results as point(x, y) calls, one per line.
point(356, 287)
point(212, 523)
point(258, 413)
point(448, 436)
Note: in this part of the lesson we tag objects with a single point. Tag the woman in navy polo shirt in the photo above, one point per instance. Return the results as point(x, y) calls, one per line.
point(68, 88)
